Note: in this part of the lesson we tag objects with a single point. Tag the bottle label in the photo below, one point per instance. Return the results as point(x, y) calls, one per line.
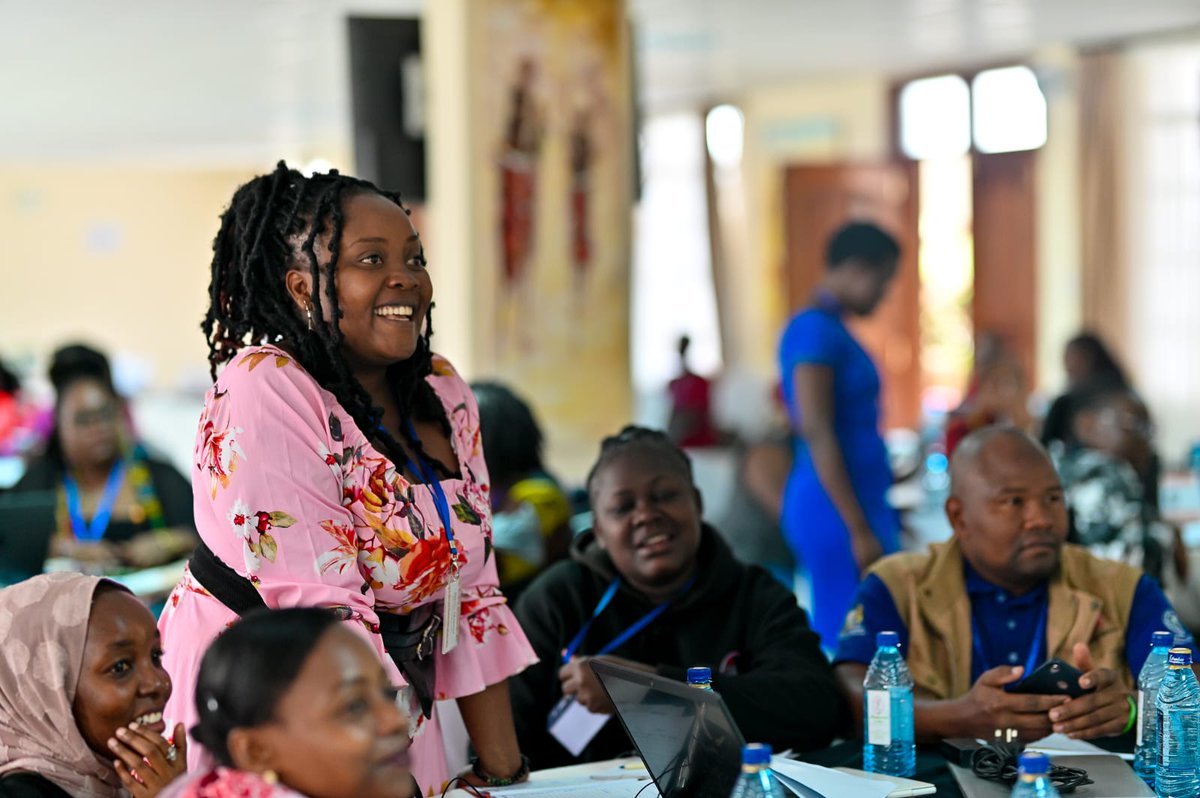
point(1141, 714)
point(879, 717)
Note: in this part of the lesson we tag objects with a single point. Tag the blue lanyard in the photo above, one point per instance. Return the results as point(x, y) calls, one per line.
point(422, 468)
point(620, 639)
point(1039, 638)
point(92, 532)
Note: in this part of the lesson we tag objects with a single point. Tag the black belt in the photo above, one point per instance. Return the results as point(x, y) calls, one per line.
point(410, 640)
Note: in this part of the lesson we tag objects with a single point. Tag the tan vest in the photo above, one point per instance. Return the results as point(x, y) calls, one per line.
point(1090, 601)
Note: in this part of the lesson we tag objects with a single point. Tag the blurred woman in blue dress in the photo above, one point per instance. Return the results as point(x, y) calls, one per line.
point(835, 512)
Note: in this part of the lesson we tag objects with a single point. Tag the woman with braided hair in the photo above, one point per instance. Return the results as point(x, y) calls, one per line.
point(338, 462)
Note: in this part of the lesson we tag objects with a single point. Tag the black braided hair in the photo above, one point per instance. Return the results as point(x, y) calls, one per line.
point(633, 436)
point(273, 225)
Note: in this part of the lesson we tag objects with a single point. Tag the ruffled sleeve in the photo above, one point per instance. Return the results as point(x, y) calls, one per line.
point(491, 645)
point(269, 495)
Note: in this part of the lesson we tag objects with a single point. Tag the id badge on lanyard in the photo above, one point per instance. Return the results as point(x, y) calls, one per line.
point(452, 604)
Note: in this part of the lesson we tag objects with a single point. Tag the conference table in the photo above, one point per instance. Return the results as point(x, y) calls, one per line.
point(625, 777)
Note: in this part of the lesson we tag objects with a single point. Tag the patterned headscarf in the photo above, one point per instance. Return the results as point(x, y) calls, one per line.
point(43, 626)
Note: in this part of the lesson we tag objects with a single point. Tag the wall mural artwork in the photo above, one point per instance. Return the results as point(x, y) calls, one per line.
point(553, 162)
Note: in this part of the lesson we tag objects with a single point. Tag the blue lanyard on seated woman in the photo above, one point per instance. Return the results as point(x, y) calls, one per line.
point(619, 640)
point(453, 601)
point(92, 532)
point(1035, 645)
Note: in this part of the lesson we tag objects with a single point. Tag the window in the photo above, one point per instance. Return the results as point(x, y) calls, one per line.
point(935, 117)
point(1008, 111)
point(1003, 110)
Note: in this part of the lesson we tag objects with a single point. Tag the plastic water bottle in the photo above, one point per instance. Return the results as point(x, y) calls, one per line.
point(1145, 754)
point(1033, 780)
point(700, 678)
point(1177, 774)
point(888, 745)
point(757, 780)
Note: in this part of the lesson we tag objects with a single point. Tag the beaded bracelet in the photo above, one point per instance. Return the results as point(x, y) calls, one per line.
point(494, 781)
point(1133, 714)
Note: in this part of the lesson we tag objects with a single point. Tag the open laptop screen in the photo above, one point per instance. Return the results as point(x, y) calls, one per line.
point(685, 736)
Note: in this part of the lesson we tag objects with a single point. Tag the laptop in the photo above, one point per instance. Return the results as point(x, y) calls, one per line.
point(688, 741)
point(27, 524)
point(686, 737)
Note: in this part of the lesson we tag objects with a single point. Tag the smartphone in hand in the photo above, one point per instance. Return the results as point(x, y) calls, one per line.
point(1053, 677)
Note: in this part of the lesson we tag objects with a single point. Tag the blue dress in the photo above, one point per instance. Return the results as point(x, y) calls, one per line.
point(813, 528)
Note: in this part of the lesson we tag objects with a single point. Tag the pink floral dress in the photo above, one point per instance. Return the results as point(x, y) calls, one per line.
point(291, 494)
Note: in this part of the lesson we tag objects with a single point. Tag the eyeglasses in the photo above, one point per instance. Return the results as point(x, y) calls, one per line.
point(97, 415)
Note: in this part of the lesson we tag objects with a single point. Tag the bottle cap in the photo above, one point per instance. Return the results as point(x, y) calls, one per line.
point(1179, 657)
point(1162, 639)
point(890, 639)
point(699, 675)
point(1034, 763)
point(756, 754)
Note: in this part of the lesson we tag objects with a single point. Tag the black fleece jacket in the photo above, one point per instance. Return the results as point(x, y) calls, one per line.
point(767, 663)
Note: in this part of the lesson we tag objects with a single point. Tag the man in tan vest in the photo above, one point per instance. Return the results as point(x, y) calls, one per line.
point(1003, 595)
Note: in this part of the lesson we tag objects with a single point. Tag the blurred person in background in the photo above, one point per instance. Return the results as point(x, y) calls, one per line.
point(1087, 361)
point(750, 521)
point(10, 415)
point(996, 394)
point(118, 507)
point(835, 512)
point(691, 422)
point(1111, 513)
point(530, 511)
point(24, 426)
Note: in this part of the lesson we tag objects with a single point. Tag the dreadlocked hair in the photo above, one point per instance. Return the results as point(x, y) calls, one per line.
point(273, 225)
point(634, 437)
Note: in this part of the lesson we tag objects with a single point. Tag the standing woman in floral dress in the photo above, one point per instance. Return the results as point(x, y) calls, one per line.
point(338, 463)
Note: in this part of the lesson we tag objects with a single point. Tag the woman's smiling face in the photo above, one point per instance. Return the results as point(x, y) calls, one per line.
point(647, 517)
point(122, 680)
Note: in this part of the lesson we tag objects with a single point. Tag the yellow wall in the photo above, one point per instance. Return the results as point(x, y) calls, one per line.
point(815, 121)
point(116, 256)
point(557, 335)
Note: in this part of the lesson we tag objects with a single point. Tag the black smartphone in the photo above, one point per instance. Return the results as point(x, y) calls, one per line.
point(1053, 677)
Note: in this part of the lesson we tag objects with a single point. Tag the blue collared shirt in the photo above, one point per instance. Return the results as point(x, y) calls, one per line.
point(1009, 622)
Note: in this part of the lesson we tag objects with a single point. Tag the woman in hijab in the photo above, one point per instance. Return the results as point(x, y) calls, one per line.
point(82, 689)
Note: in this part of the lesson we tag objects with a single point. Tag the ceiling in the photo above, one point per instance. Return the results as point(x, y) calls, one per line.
point(237, 81)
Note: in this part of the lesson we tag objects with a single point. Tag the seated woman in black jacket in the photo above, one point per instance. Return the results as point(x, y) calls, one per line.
point(649, 542)
point(117, 506)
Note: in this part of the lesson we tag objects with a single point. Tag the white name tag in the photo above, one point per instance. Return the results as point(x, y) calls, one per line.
point(879, 717)
point(573, 725)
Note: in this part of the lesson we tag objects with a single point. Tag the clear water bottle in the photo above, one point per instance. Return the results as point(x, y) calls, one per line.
point(888, 745)
point(1177, 773)
point(1145, 754)
point(1033, 779)
point(757, 780)
point(700, 678)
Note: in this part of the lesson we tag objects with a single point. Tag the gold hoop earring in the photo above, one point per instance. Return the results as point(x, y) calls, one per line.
point(270, 777)
point(308, 314)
